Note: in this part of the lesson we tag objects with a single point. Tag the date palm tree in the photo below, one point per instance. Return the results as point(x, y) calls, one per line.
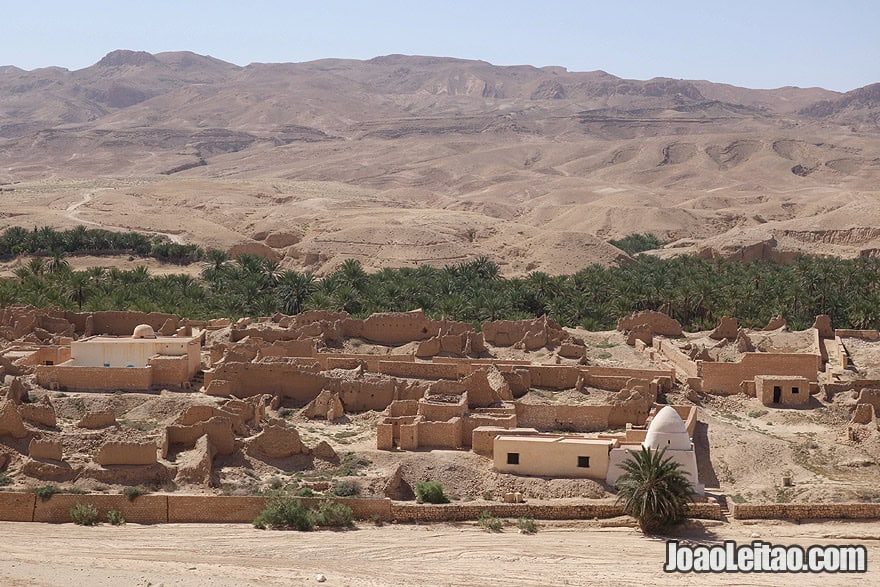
point(654, 490)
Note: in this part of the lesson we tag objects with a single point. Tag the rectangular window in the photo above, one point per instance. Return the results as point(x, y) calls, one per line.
point(584, 462)
point(795, 390)
point(513, 458)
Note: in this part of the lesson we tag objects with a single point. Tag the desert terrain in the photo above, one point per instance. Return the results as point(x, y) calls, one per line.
point(223, 555)
point(402, 160)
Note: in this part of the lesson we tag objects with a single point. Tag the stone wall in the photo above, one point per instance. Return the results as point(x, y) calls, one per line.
point(404, 512)
point(807, 511)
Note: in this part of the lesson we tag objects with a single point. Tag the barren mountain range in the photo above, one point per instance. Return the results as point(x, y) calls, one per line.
point(403, 160)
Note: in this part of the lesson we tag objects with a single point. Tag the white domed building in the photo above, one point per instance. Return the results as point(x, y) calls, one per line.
point(666, 431)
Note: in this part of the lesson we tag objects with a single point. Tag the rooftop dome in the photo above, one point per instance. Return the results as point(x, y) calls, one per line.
point(667, 430)
point(143, 331)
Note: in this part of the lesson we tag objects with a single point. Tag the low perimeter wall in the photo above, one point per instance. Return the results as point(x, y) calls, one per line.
point(806, 511)
point(156, 509)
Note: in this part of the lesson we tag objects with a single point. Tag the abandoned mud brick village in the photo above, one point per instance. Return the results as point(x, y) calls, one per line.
point(506, 280)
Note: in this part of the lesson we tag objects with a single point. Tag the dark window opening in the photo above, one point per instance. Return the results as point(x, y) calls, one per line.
point(777, 394)
point(584, 462)
point(513, 458)
point(49, 363)
point(795, 390)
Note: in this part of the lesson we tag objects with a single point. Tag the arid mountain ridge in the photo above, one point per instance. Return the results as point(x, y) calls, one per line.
point(400, 160)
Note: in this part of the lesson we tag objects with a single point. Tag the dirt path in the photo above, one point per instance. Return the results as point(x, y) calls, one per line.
point(72, 213)
point(235, 555)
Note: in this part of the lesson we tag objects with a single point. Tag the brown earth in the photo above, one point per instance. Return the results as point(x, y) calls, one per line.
point(221, 555)
point(401, 160)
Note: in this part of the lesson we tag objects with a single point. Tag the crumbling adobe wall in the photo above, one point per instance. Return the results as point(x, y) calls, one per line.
point(97, 419)
point(725, 378)
point(442, 411)
point(395, 328)
point(727, 329)
point(440, 434)
point(127, 453)
point(45, 449)
point(655, 322)
point(327, 406)
point(10, 421)
point(872, 335)
point(350, 361)
point(305, 347)
point(554, 376)
point(865, 396)
point(563, 417)
point(683, 365)
point(419, 370)
point(249, 379)
point(486, 387)
point(93, 378)
point(42, 412)
point(527, 334)
point(362, 395)
point(483, 437)
point(121, 323)
point(276, 441)
point(219, 430)
point(171, 371)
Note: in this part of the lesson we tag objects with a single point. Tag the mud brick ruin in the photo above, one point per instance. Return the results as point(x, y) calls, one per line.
point(528, 397)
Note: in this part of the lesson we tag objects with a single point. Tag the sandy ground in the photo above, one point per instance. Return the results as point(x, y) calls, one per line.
point(578, 553)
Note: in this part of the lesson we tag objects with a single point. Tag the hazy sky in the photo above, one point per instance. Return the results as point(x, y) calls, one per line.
point(759, 44)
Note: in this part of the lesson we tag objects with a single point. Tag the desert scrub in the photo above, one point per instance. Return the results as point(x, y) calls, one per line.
point(285, 513)
point(306, 492)
point(132, 493)
point(527, 526)
point(84, 514)
point(489, 522)
point(46, 492)
point(346, 488)
point(331, 514)
point(430, 492)
point(115, 518)
point(5, 480)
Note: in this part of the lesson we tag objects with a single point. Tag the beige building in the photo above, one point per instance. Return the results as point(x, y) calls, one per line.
point(774, 390)
point(138, 362)
point(666, 431)
point(552, 456)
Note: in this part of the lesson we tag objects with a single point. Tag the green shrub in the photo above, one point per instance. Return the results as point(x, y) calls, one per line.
point(46, 492)
point(306, 492)
point(285, 513)
point(132, 493)
point(527, 526)
point(488, 496)
point(84, 514)
point(346, 488)
point(489, 522)
point(115, 517)
point(331, 514)
point(430, 492)
point(5, 480)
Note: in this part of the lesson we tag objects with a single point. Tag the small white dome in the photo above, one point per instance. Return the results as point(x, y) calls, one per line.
point(143, 331)
point(667, 430)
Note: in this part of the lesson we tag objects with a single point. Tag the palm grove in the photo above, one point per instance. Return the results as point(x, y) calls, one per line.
point(697, 292)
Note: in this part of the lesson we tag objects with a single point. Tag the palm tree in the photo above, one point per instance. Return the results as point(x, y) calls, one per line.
point(293, 290)
point(654, 490)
